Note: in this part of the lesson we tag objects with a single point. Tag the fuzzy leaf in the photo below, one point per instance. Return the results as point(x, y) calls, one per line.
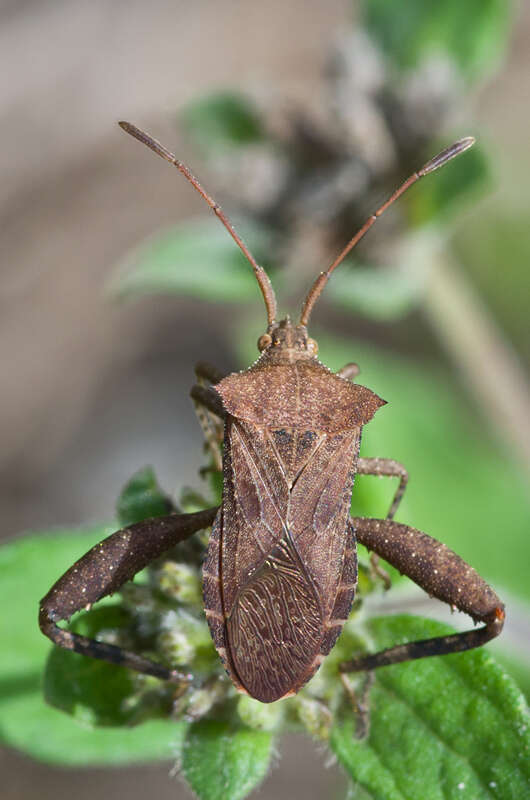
point(142, 498)
point(198, 259)
point(29, 567)
point(449, 727)
point(222, 120)
point(221, 761)
point(472, 33)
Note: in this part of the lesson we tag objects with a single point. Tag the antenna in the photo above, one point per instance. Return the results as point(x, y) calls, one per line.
point(261, 276)
point(434, 163)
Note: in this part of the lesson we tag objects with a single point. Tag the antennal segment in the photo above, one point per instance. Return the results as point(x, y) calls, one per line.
point(434, 163)
point(261, 276)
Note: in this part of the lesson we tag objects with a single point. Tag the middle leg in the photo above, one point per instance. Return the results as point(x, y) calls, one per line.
point(390, 468)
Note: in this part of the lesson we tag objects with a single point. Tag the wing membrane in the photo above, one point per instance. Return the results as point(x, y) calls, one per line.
point(275, 629)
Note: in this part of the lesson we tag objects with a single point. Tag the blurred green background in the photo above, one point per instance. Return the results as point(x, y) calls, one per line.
point(300, 125)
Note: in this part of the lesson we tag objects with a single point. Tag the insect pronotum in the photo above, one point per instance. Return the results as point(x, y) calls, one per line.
point(280, 571)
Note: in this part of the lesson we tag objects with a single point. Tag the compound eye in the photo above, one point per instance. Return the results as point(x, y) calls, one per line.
point(312, 347)
point(264, 341)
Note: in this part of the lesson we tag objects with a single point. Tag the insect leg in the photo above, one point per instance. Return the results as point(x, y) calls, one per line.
point(441, 573)
point(349, 371)
point(389, 468)
point(206, 396)
point(209, 409)
point(360, 703)
point(207, 372)
point(392, 469)
point(101, 572)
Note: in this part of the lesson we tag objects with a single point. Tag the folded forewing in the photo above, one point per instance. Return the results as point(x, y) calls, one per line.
point(319, 508)
point(283, 544)
point(275, 629)
point(255, 505)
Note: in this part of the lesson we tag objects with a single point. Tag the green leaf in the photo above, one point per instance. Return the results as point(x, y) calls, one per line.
point(29, 567)
point(222, 120)
point(473, 33)
point(196, 259)
point(142, 498)
point(448, 727)
point(221, 761)
point(93, 692)
point(356, 792)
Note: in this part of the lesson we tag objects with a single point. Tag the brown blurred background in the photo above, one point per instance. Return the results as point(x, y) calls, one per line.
point(92, 389)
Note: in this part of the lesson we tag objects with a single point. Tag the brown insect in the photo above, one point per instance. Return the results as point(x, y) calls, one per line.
point(281, 568)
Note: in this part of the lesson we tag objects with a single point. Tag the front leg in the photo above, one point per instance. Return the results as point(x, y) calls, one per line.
point(209, 409)
point(442, 574)
point(207, 373)
point(349, 371)
point(101, 572)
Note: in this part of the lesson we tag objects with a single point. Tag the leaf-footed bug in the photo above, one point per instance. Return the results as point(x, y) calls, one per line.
point(280, 571)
